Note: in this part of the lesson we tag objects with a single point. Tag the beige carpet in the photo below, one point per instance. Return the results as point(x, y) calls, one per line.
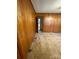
point(46, 46)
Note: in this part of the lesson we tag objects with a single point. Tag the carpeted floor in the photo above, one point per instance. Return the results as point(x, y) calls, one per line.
point(46, 46)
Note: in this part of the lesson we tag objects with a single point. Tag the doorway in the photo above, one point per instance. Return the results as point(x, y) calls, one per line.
point(39, 24)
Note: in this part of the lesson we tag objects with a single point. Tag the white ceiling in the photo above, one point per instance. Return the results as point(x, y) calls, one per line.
point(47, 6)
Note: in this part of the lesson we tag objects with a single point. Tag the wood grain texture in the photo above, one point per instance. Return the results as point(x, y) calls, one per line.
point(53, 25)
point(25, 26)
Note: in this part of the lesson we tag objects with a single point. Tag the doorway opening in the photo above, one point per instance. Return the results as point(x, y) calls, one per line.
point(39, 24)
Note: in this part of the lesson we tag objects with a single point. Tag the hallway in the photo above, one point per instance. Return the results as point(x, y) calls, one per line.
point(45, 46)
point(38, 29)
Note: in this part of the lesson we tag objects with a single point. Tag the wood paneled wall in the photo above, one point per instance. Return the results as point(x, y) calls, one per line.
point(25, 26)
point(51, 22)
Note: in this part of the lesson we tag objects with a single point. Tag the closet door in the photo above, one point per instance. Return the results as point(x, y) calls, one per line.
point(52, 23)
point(57, 23)
point(48, 24)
